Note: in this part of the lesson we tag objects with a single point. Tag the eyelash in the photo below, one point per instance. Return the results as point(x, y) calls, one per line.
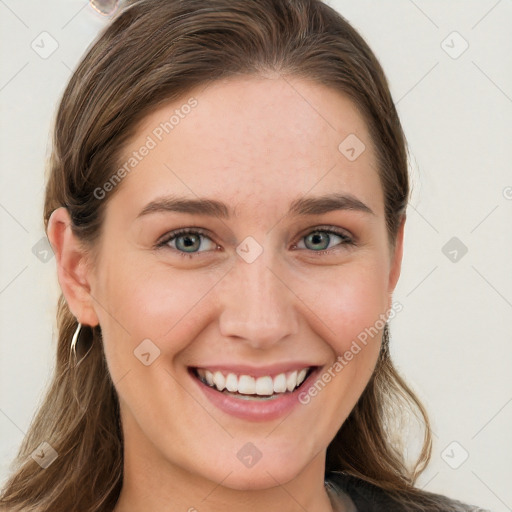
point(346, 240)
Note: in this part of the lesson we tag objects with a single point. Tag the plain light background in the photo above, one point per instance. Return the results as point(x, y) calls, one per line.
point(453, 339)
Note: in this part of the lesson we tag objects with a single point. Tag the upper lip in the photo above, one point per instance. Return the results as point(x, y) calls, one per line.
point(256, 371)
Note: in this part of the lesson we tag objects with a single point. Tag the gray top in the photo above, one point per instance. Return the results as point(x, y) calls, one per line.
point(351, 494)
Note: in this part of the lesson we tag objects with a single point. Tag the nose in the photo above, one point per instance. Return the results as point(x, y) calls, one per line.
point(257, 303)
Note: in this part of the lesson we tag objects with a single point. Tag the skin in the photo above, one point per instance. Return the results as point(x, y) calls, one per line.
point(256, 143)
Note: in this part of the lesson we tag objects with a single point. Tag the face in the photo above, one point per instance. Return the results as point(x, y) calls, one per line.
point(255, 288)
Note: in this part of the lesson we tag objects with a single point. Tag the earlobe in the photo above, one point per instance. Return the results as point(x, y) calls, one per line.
point(72, 269)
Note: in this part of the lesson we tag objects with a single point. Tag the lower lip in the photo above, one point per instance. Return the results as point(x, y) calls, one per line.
point(254, 410)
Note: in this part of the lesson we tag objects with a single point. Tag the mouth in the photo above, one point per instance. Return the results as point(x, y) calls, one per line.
point(248, 387)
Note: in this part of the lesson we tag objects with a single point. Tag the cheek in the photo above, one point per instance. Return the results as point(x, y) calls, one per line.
point(348, 300)
point(163, 306)
point(150, 301)
point(351, 304)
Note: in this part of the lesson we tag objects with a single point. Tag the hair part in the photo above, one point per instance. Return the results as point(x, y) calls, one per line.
point(154, 52)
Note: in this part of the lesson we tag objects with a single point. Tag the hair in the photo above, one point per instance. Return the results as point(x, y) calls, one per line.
point(151, 53)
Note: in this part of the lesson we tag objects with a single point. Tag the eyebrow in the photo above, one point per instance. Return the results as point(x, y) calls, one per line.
point(211, 207)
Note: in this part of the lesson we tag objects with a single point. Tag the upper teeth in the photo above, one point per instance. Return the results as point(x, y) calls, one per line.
point(247, 385)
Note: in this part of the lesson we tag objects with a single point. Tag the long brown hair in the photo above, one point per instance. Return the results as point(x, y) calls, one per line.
point(153, 52)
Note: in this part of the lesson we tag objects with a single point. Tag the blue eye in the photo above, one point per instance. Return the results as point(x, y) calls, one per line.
point(321, 238)
point(188, 241)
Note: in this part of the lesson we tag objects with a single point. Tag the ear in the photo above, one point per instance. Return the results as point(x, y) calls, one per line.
point(396, 260)
point(72, 268)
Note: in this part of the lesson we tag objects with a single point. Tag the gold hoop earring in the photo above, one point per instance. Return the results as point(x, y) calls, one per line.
point(74, 341)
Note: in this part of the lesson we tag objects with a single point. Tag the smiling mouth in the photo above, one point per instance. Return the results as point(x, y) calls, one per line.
point(246, 387)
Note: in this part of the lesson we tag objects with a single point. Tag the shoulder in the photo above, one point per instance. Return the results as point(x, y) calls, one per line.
point(370, 498)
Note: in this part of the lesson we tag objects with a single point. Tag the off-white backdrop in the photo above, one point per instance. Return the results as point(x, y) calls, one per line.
point(450, 73)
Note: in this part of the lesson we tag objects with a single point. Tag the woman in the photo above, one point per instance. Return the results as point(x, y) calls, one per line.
point(210, 356)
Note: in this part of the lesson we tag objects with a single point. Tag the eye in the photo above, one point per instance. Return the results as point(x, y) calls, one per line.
point(186, 241)
point(319, 240)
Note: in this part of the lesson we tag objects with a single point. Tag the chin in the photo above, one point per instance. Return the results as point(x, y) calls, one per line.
point(263, 475)
point(252, 479)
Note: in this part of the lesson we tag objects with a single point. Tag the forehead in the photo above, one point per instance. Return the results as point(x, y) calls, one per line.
point(255, 139)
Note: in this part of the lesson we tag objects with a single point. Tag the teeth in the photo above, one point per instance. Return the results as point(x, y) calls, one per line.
point(231, 382)
point(219, 381)
point(302, 375)
point(291, 381)
point(264, 386)
point(246, 385)
point(280, 383)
